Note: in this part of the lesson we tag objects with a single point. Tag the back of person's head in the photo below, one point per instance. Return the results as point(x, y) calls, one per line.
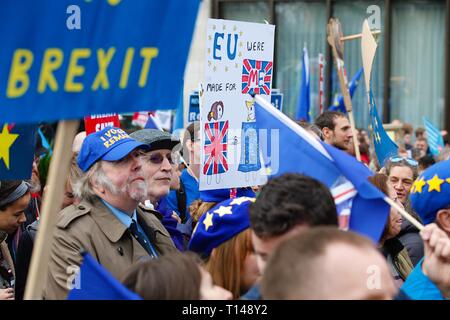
point(311, 128)
point(380, 180)
point(407, 128)
point(291, 200)
point(426, 162)
point(174, 276)
point(326, 119)
point(325, 263)
point(227, 263)
point(198, 208)
point(419, 132)
point(191, 134)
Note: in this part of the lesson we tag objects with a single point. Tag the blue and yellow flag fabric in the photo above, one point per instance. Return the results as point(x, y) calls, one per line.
point(94, 282)
point(17, 144)
point(384, 146)
point(292, 149)
point(434, 137)
point(66, 59)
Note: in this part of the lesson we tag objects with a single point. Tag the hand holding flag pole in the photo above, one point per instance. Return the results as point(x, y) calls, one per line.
point(369, 47)
point(334, 38)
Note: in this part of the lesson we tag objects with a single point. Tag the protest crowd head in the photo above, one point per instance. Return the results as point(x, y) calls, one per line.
point(336, 129)
point(287, 205)
point(158, 161)
point(112, 167)
point(175, 276)
point(223, 237)
point(325, 263)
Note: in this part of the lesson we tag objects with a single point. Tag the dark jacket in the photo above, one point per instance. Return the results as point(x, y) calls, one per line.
point(399, 256)
point(410, 238)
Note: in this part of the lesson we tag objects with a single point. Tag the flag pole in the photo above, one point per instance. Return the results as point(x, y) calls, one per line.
point(357, 36)
point(403, 212)
point(51, 205)
point(337, 46)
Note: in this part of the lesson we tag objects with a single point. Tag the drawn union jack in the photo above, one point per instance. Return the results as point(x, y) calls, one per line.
point(215, 148)
point(256, 76)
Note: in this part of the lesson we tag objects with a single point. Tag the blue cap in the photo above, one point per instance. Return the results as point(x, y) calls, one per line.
point(431, 191)
point(220, 224)
point(110, 144)
point(219, 195)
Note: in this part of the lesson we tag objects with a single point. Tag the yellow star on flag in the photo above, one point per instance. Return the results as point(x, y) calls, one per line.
point(448, 180)
point(223, 211)
point(418, 185)
point(435, 184)
point(240, 200)
point(208, 221)
point(6, 141)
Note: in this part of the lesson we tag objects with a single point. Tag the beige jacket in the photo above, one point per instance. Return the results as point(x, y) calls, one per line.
point(6, 262)
point(92, 227)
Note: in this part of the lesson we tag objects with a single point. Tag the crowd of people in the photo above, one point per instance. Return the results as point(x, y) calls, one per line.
point(132, 201)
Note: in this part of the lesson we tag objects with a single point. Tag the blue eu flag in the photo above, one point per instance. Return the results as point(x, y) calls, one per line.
point(16, 151)
point(293, 149)
point(435, 140)
point(303, 100)
point(339, 104)
point(95, 283)
point(384, 146)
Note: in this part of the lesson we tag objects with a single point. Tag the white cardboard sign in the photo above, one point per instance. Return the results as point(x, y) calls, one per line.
point(239, 64)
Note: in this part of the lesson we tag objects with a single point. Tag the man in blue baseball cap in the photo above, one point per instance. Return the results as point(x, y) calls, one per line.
point(105, 223)
point(430, 198)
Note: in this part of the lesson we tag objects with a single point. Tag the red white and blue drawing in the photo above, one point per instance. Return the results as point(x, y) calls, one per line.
point(256, 76)
point(215, 149)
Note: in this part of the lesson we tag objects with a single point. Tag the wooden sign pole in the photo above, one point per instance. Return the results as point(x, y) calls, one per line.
point(51, 205)
point(337, 46)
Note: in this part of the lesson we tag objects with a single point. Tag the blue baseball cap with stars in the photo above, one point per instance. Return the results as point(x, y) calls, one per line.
point(109, 144)
point(219, 224)
point(431, 191)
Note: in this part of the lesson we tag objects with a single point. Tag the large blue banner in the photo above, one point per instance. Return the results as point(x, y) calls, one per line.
point(64, 59)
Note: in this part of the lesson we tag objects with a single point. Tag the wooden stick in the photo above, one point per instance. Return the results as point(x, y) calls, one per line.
point(405, 214)
point(339, 62)
point(51, 205)
point(357, 36)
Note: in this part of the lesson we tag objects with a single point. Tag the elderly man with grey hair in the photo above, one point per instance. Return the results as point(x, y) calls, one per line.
point(159, 165)
point(105, 223)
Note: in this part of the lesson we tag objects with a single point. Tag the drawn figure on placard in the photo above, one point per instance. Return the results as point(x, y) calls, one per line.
point(215, 149)
point(216, 111)
point(250, 110)
point(250, 161)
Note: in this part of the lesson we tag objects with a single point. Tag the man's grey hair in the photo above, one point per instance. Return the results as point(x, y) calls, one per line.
point(83, 188)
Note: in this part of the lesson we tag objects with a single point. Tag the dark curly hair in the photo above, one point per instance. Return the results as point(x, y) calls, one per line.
point(291, 200)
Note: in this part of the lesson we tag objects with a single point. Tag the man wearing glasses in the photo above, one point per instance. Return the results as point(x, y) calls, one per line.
point(159, 165)
point(105, 223)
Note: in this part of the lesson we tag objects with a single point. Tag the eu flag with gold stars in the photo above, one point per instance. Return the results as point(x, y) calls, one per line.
point(16, 151)
point(384, 146)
